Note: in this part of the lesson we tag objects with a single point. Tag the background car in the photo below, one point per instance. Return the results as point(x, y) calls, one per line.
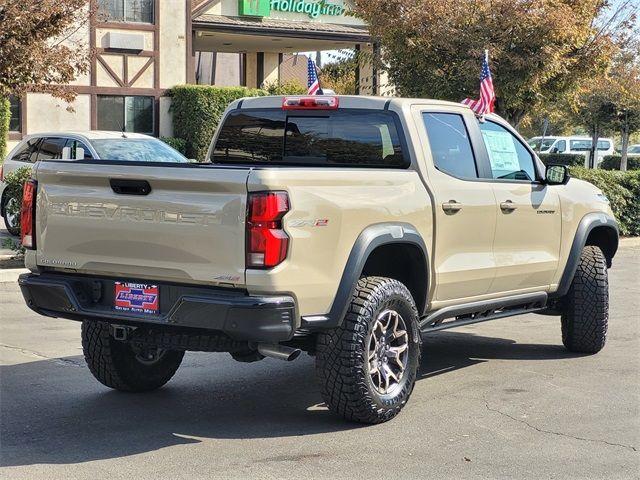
point(634, 150)
point(94, 145)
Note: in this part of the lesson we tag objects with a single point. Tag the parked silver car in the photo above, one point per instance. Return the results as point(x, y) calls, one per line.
point(93, 145)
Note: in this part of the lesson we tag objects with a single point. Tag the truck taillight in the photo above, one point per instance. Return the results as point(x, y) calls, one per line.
point(267, 242)
point(28, 215)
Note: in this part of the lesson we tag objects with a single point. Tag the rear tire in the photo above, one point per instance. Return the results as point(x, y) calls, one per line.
point(585, 314)
point(378, 335)
point(116, 365)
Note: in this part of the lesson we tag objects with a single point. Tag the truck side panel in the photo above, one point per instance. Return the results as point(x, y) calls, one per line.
point(329, 210)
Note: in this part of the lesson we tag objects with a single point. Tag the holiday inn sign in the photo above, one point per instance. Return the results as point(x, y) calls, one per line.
point(262, 8)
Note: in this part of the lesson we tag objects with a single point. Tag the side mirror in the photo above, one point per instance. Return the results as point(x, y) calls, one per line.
point(554, 150)
point(557, 175)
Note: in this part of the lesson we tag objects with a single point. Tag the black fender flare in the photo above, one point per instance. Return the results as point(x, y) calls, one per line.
point(368, 240)
point(585, 227)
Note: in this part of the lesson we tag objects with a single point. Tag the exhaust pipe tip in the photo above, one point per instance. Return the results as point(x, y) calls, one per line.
point(280, 352)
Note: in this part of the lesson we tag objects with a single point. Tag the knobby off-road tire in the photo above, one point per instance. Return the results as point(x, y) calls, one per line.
point(116, 365)
point(344, 365)
point(585, 314)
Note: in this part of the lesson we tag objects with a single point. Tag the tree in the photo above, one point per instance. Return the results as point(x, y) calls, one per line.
point(42, 48)
point(540, 49)
point(339, 74)
point(612, 101)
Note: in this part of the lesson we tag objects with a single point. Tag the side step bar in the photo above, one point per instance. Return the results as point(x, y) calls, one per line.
point(482, 311)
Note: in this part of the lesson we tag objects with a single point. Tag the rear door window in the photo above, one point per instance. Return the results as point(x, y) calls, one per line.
point(350, 138)
point(25, 152)
point(450, 144)
point(51, 148)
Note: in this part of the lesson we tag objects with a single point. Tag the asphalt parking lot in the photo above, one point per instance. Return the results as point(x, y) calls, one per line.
point(496, 400)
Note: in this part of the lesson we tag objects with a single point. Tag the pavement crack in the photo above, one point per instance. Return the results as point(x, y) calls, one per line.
point(560, 434)
point(33, 354)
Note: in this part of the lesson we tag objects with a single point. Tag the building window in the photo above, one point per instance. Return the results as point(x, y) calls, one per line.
point(15, 124)
point(135, 11)
point(133, 114)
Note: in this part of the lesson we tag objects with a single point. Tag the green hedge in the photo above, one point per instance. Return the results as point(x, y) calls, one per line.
point(197, 110)
point(179, 144)
point(5, 118)
point(623, 191)
point(285, 88)
point(562, 158)
point(612, 162)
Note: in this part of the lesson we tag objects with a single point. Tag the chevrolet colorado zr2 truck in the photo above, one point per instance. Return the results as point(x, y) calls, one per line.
point(342, 226)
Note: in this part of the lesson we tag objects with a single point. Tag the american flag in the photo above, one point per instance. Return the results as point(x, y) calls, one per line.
point(313, 84)
point(487, 95)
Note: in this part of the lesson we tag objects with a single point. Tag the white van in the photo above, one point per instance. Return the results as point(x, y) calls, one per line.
point(571, 145)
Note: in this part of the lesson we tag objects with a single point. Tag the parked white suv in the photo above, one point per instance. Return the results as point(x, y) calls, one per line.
point(94, 145)
point(571, 145)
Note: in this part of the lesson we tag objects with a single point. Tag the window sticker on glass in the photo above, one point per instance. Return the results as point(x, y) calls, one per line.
point(502, 150)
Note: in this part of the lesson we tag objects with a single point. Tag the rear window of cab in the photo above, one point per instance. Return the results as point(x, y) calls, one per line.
point(349, 138)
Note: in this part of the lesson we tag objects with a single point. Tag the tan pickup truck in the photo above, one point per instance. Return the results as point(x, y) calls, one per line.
point(346, 227)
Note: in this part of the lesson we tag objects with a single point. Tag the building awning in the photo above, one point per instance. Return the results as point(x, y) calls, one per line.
point(282, 28)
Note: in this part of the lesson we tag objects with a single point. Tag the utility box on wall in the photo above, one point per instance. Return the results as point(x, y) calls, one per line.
point(124, 41)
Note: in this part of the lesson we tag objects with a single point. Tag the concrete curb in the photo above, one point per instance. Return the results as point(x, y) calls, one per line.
point(11, 261)
point(630, 242)
point(10, 275)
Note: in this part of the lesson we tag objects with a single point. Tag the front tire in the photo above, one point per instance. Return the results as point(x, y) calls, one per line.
point(585, 314)
point(367, 366)
point(116, 365)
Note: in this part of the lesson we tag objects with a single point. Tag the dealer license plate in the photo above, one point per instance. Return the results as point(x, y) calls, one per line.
point(136, 297)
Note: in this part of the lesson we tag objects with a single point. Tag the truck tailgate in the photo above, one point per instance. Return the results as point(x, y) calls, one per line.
point(189, 228)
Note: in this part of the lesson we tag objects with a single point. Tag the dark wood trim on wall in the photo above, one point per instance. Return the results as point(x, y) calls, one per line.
point(189, 34)
point(144, 27)
point(136, 77)
point(259, 69)
point(114, 75)
point(374, 69)
point(280, 59)
point(358, 69)
point(243, 69)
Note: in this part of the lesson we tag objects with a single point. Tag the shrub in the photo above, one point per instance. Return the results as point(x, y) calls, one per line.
point(562, 158)
point(623, 191)
point(179, 144)
point(285, 88)
point(197, 109)
point(612, 162)
point(5, 118)
point(14, 182)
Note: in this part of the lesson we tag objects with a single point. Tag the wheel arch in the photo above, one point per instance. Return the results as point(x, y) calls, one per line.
point(597, 229)
point(394, 250)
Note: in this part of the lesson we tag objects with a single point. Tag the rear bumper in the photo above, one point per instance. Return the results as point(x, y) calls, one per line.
point(240, 316)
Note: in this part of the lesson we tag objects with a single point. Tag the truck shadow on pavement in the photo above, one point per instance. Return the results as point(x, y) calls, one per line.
point(54, 412)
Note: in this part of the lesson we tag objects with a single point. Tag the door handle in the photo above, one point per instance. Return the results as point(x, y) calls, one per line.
point(130, 187)
point(451, 206)
point(508, 206)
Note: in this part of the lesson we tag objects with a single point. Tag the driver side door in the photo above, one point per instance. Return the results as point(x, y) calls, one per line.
point(528, 226)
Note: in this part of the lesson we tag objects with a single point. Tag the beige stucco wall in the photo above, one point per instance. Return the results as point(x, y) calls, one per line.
point(46, 114)
point(252, 69)
point(173, 43)
point(166, 118)
point(270, 68)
